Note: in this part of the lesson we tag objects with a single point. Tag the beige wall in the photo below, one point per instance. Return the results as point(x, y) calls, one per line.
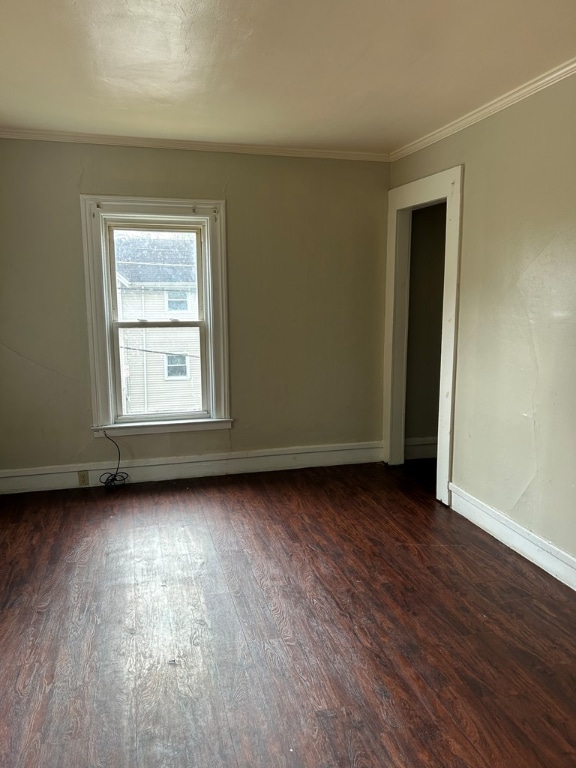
point(306, 247)
point(427, 252)
point(515, 410)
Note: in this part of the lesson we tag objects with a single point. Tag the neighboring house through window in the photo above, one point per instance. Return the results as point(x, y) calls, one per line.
point(176, 367)
point(157, 311)
point(177, 301)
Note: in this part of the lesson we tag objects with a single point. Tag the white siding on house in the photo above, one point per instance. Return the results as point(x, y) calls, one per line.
point(149, 302)
point(145, 387)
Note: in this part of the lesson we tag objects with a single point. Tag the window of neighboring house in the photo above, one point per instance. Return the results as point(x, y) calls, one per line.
point(176, 367)
point(135, 250)
point(177, 301)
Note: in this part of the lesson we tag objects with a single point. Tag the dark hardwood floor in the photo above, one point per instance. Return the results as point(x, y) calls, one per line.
point(322, 618)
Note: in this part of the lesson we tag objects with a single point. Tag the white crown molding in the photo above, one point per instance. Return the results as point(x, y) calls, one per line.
point(543, 553)
point(190, 146)
point(497, 105)
point(502, 102)
point(182, 467)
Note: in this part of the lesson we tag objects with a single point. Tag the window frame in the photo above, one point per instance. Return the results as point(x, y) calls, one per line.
point(100, 214)
point(116, 323)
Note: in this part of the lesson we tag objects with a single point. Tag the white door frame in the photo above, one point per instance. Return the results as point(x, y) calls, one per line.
point(444, 186)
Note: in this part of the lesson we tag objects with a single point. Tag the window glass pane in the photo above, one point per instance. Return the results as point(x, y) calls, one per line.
point(160, 370)
point(177, 301)
point(153, 268)
point(176, 366)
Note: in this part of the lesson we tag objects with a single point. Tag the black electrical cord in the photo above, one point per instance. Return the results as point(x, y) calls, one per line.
point(112, 479)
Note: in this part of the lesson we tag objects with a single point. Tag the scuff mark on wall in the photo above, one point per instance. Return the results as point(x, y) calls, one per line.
point(37, 364)
point(80, 179)
point(545, 287)
point(226, 186)
point(535, 383)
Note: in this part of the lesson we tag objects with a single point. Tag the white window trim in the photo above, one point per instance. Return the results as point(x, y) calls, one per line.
point(97, 213)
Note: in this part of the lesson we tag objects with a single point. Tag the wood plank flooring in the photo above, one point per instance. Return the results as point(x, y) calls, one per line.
point(322, 618)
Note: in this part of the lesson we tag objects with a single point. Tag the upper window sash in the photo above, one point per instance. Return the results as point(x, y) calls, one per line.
point(192, 236)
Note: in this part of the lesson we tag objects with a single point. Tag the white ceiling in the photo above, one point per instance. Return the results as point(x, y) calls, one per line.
point(330, 76)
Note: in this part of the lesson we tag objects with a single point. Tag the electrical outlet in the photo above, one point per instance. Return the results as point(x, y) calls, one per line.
point(83, 477)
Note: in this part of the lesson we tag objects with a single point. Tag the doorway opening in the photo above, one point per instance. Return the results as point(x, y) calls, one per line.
point(426, 288)
point(403, 205)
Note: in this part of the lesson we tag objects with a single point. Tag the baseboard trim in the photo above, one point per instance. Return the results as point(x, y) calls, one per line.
point(181, 467)
point(420, 448)
point(539, 551)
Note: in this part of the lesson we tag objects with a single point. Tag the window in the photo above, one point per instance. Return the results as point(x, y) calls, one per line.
point(177, 301)
point(157, 313)
point(176, 367)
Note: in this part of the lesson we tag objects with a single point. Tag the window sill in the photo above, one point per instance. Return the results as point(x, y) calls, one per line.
point(161, 427)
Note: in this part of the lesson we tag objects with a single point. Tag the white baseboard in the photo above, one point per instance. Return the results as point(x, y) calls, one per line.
point(543, 553)
point(420, 448)
point(144, 470)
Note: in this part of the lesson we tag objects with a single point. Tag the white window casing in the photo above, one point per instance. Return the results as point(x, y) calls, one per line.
point(101, 215)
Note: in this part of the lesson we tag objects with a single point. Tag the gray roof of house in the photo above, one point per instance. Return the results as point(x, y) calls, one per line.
point(141, 260)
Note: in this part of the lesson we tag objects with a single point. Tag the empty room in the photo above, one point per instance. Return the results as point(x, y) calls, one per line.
point(287, 365)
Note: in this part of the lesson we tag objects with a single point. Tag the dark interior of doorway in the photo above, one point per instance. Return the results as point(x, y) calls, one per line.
point(427, 258)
